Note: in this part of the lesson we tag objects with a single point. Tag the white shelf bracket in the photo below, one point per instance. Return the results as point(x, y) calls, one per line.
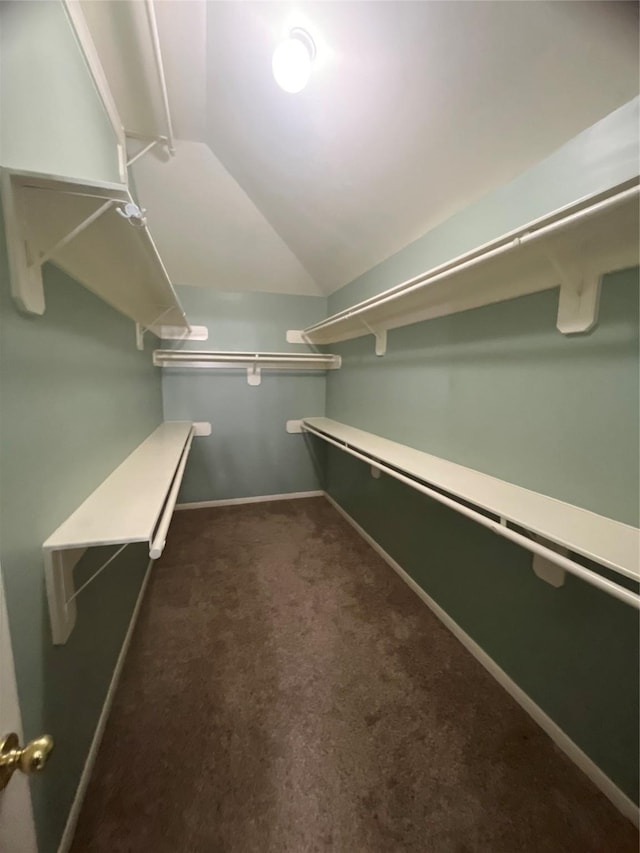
point(201, 428)
point(177, 333)
point(142, 330)
point(142, 152)
point(296, 336)
point(61, 591)
point(43, 257)
point(25, 276)
point(544, 569)
point(579, 298)
point(380, 336)
point(578, 304)
point(58, 572)
point(254, 375)
point(294, 427)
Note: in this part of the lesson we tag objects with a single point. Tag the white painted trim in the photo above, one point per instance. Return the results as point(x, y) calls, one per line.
point(81, 790)
point(17, 827)
point(288, 496)
point(619, 799)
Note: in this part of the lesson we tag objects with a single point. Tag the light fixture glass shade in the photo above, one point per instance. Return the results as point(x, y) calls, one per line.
point(292, 65)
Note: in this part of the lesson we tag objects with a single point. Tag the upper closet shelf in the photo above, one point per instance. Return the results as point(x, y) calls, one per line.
point(541, 524)
point(571, 248)
point(134, 504)
point(97, 234)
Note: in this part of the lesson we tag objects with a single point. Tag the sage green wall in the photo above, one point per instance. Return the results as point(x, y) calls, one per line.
point(501, 390)
point(573, 650)
point(249, 452)
point(601, 157)
point(51, 117)
point(75, 399)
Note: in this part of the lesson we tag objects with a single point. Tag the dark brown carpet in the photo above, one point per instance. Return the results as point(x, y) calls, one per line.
point(285, 692)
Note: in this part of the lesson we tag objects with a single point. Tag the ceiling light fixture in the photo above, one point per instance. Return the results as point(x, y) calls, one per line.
point(292, 60)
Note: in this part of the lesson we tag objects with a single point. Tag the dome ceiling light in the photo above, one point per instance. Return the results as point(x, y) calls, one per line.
point(293, 60)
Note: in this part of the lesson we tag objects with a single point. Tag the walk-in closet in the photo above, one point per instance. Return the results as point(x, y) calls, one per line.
point(319, 426)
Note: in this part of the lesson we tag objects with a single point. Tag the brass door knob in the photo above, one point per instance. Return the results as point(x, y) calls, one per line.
point(30, 759)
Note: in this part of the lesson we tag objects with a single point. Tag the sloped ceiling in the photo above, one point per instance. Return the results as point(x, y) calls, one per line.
point(208, 231)
point(413, 111)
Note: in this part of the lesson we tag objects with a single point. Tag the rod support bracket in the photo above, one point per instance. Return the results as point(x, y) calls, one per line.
point(254, 375)
point(544, 569)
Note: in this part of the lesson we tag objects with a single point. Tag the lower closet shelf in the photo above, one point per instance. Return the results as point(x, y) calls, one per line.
point(134, 504)
point(548, 527)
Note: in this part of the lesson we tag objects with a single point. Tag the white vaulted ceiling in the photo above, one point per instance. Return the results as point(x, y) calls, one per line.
point(209, 231)
point(414, 110)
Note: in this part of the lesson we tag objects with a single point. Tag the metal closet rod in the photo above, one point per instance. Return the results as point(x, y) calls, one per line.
point(565, 563)
point(168, 357)
point(157, 56)
point(528, 234)
point(157, 544)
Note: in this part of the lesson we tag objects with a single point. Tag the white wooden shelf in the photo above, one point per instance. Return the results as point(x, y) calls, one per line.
point(603, 540)
point(571, 249)
point(253, 362)
point(134, 504)
point(78, 226)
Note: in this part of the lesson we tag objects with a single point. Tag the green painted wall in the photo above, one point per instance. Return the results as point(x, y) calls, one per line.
point(573, 650)
point(75, 398)
point(52, 119)
point(500, 390)
point(601, 157)
point(249, 451)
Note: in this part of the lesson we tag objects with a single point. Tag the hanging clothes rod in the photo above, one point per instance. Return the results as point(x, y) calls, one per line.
point(549, 226)
point(156, 546)
point(568, 565)
point(157, 56)
point(253, 362)
point(165, 358)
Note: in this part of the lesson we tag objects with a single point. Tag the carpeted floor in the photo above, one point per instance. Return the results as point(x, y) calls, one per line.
point(285, 692)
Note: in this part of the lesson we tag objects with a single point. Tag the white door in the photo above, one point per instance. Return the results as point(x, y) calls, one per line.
point(17, 830)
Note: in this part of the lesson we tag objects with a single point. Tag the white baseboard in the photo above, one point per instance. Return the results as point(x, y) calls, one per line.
point(619, 799)
point(290, 496)
point(81, 790)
